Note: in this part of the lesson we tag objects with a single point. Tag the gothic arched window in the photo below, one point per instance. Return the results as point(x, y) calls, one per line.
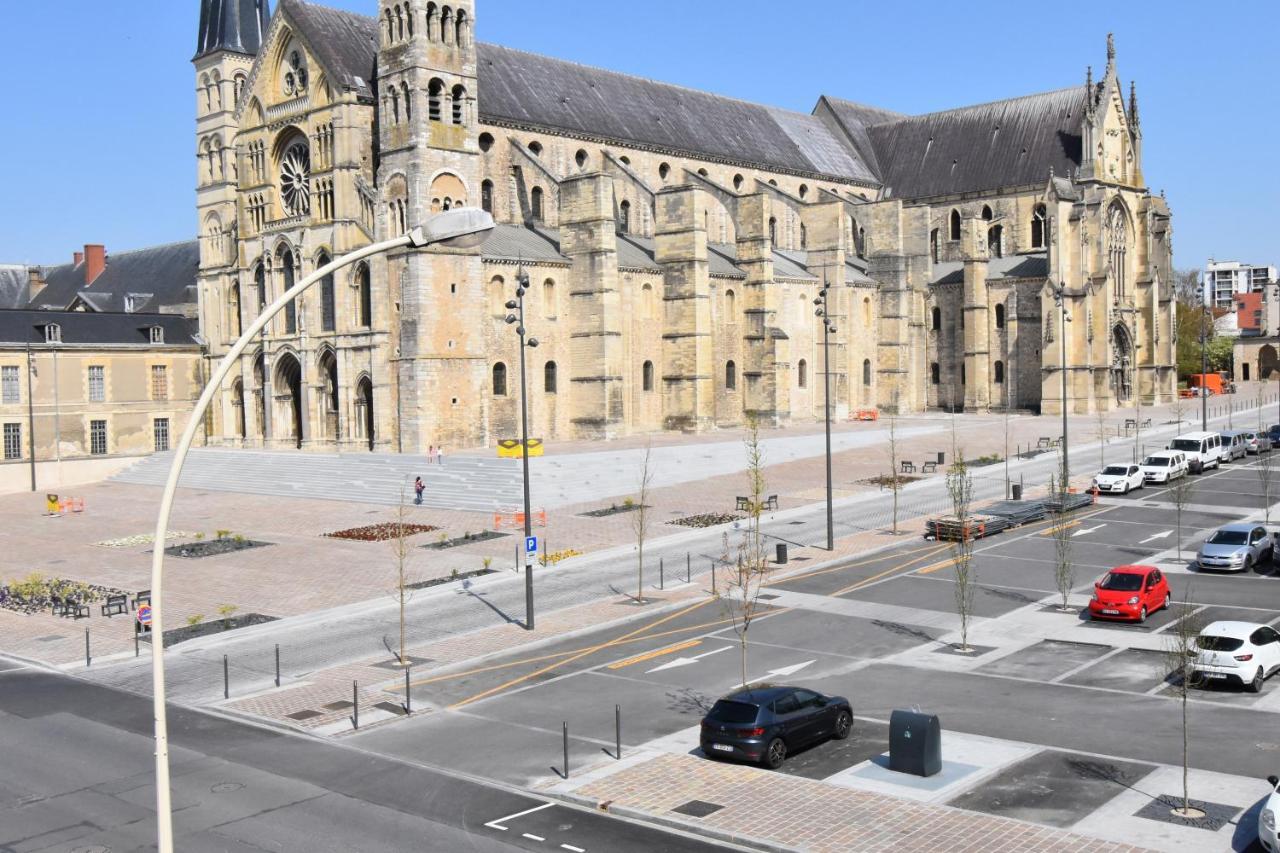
point(646, 376)
point(535, 203)
point(459, 104)
point(866, 371)
point(955, 225)
point(730, 376)
point(803, 374)
point(1117, 248)
point(1000, 316)
point(999, 372)
point(1037, 227)
point(295, 177)
point(364, 297)
point(499, 380)
point(624, 217)
point(486, 196)
point(549, 377)
point(935, 319)
point(435, 91)
point(935, 373)
point(327, 298)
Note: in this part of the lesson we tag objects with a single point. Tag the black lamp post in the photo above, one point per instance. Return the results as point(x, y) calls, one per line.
point(517, 304)
point(1204, 368)
point(827, 328)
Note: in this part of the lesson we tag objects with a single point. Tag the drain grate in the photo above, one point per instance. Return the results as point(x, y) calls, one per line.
point(697, 808)
point(303, 715)
point(338, 706)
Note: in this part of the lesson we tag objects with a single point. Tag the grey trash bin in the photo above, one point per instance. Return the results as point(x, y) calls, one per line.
point(915, 743)
point(782, 553)
point(942, 458)
point(1017, 491)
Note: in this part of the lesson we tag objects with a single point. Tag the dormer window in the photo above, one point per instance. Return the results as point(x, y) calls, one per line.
point(52, 333)
point(157, 334)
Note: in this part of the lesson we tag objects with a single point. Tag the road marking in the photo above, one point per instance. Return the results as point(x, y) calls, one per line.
point(497, 823)
point(936, 567)
point(1052, 530)
point(785, 670)
point(533, 837)
point(572, 849)
point(1088, 530)
point(936, 549)
point(686, 661)
point(656, 653)
point(1163, 535)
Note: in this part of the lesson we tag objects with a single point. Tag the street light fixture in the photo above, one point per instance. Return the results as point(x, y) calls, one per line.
point(828, 326)
point(462, 228)
point(517, 304)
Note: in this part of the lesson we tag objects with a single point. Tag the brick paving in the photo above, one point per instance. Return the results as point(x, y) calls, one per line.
point(817, 817)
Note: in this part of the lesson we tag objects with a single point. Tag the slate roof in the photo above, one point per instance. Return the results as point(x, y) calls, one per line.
point(525, 88)
point(344, 42)
point(19, 327)
point(1000, 144)
point(164, 276)
point(234, 25)
point(14, 284)
point(1034, 265)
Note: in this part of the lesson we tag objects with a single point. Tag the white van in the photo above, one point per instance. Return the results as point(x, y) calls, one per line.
point(1203, 449)
point(1164, 466)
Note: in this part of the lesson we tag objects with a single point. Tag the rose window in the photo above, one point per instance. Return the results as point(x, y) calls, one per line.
point(295, 179)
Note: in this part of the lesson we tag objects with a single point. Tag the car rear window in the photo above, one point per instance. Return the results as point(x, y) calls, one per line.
point(1218, 644)
point(1228, 537)
point(1122, 582)
point(733, 712)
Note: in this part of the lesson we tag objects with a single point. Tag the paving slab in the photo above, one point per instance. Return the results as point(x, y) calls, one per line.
point(1046, 659)
point(1132, 670)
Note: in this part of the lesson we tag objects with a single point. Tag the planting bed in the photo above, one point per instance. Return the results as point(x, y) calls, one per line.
point(213, 547)
point(380, 532)
point(467, 539)
point(706, 519)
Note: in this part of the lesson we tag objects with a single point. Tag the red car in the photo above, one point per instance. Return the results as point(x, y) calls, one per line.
point(1130, 593)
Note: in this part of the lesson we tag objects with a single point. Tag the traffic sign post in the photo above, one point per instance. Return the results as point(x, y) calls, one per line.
point(531, 544)
point(144, 617)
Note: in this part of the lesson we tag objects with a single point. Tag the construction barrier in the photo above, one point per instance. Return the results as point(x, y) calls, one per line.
point(866, 415)
point(54, 505)
point(72, 505)
point(509, 448)
point(515, 519)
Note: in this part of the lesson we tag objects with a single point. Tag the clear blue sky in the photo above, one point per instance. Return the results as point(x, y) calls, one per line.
point(98, 142)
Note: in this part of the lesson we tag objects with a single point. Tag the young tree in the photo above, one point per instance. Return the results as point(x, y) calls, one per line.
point(640, 519)
point(748, 564)
point(1265, 467)
point(1064, 572)
point(401, 551)
point(1137, 417)
point(1180, 491)
point(1177, 664)
point(1007, 408)
point(960, 490)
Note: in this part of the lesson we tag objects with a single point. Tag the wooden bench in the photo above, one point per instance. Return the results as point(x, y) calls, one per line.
point(928, 467)
point(743, 504)
point(908, 467)
point(70, 609)
point(1044, 443)
point(143, 597)
point(771, 502)
point(116, 604)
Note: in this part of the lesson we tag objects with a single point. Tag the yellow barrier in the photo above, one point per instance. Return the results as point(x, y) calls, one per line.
point(509, 448)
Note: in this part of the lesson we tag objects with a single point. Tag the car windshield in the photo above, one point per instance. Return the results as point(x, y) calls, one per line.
point(1156, 461)
point(1218, 644)
point(1122, 582)
point(733, 712)
point(1115, 471)
point(1228, 537)
point(1185, 444)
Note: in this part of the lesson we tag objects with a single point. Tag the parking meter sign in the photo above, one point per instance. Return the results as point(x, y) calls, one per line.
point(531, 544)
point(144, 615)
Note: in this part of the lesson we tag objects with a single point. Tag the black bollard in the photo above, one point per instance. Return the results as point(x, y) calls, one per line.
point(277, 664)
point(408, 696)
point(87, 659)
point(566, 750)
point(617, 732)
point(226, 679)
point(355, 704)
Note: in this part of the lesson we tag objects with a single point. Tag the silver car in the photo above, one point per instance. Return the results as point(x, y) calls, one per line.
point(1236, 548)
point(1257, 442)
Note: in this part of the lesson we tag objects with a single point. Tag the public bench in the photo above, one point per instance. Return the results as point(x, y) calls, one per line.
point(116, 604)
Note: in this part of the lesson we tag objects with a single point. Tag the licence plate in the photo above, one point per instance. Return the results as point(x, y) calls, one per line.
point(1111, 613)
point(1214, 674)
point(723, 747)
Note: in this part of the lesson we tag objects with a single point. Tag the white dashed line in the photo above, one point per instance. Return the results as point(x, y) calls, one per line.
point(573, 849)
point(533, 837)
point(497, 823)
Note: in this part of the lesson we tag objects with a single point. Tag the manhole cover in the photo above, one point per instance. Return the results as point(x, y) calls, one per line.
point(225, 787)
point(697, 808)
point(303, 715)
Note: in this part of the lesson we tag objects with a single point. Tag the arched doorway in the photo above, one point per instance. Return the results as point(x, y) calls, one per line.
point(1267, 362)
point(261, 392)
point(1121, 364)
point(364, 408)
point(329, 396)
point(289, 394)
point(237, 407)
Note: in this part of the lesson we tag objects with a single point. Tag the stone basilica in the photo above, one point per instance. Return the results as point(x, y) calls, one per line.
point(673, 242)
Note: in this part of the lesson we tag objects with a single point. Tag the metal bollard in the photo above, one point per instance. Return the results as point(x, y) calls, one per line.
point(277, 664)
point(713, 577)
point(87, 659)
point(617, 732)
point(566, 750)
point(226, 679)
point(136, 632)
point(661, 575)
point(688, 567)
point(355, 704)
point(408, 696)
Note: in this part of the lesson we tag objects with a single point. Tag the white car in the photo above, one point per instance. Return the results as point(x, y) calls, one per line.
point(1269, 816)
point(1243, 652)
point(1119, 479)
point(1164, 466)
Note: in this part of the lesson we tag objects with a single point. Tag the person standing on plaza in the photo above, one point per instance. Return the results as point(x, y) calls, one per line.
point(418, 489)
point(440, 455)
point(431, 455)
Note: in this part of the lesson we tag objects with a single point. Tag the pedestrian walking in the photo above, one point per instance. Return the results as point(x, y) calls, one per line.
point(431, 455)
point(440, 455)
point(418, 489)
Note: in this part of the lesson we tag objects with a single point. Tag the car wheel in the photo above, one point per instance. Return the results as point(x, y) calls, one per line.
point(844, 725)
point(1127, 487)
point(1142, 614)
point(1255, 686)
point(1248, 564)
point(775, 754)
point(1168, 599)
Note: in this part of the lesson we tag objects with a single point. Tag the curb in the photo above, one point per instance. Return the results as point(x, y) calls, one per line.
point(745, 841)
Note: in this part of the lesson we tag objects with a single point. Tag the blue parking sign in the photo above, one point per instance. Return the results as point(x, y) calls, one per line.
point(531, 544)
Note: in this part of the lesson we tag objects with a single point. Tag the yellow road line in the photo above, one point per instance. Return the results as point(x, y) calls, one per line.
point(813, 574)
point(895, 569)
point(936, 567)
point(656, 653)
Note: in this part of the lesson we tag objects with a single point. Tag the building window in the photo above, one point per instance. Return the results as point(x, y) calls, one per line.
point(328, 308)
point(535, 204)
point(986, 213)
point(804, 373)
point(999, 371)
point(624, 218)
point(773, 230)
point(10, 392)
point(663, 170)
point(159, 382)
point(963, 378)
point(459, 104)
point(157, 334)
point(97, 383)
point(955, 225)
point(549, 377)
point(364, 298)
point(804, 237)
point(866, 372)
point(646, 376)
point(730, 307)
point(13, 441)
point(499, 380)
point(160, 431)
point(1037, 227)
point(935, 319)
point(995, 241)
point(933, 245)
point(97, 437)
point(435, 91)
point(233, 310)
point(730, 376)
point(935, 373)
point(486, 141)
point(52, 333)
point(486, 196)
point(1000, 316)
point(549, 298)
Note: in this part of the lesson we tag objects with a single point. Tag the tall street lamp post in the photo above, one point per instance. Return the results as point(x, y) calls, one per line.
point(465, 227)
point(517, 305)
point(1060, 300)
point(1204, 367)
point(827, 328)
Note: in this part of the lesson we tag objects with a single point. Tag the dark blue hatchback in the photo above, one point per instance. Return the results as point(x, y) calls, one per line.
point(765, 724)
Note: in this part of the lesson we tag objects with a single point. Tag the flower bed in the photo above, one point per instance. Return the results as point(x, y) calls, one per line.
point(213, 547)
point(142, 539)
point(465, 539)
point(706, 519)
point(380, 532)
point(556, 556)
point(612, 509)
point(36, 593)
point(217, 626)
point(885, 481)
point(455, 576)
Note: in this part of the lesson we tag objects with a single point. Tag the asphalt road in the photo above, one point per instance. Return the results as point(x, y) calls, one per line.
point(76, 773)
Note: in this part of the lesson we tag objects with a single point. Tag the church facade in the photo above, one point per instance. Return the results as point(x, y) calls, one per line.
point(671, 242)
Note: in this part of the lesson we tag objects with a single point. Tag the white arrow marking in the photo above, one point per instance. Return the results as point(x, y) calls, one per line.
point(1088, 530)
point(1157, 536)
point(786, 670)
point(686, 661)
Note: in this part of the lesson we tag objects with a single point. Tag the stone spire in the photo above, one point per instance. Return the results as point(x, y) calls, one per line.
point(1089, 95)
point(1111, 52)
point(232, 25)
point(1133, 105)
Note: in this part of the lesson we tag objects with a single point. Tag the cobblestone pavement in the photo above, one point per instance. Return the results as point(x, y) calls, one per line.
point(808, 815)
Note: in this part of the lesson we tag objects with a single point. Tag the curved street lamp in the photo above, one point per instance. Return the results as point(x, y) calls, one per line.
point(464, 227)
point(1060, 300)
point(517, 319)
point(828, 326)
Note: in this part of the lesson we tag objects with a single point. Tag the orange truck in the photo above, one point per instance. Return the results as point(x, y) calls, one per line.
point(1212, 383)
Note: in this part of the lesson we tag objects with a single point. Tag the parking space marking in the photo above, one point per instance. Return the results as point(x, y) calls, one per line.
point(895, 569)
point(656, 653)
point(497, 823)
point(1162, 535)
point(1064, 676)
point(532, 837)
point(572, 849)
point(672, 664)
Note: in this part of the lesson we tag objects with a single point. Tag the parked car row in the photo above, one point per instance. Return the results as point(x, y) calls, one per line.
point(1190, 453)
